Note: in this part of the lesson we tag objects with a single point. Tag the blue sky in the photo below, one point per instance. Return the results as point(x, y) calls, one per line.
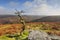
point(18, 3)
point(5, 2)
point(32, 7)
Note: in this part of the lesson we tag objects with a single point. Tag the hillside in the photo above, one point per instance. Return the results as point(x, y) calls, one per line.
point(5, 19)
point(49, 27)
point(10, 19)
point(48, 19)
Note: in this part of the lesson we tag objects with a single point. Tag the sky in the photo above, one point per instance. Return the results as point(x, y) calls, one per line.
point(31, 7)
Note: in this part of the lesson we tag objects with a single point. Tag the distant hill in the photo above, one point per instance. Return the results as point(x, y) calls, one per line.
point(6, 19)
point(48, 19)
point(15, 19)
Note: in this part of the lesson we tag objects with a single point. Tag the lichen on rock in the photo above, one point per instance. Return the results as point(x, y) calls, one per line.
point(38, 35)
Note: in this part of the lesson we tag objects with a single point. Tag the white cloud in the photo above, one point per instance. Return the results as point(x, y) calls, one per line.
point(10, 10)
point(36, 7)
point(2, 10)
point(40, 7)
point(5, 11)
point(27, 4)
point(13, 4)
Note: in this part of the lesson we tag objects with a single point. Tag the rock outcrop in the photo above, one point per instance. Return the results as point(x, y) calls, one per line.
point(38, 35)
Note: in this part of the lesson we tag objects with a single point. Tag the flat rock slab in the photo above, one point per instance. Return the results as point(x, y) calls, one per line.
point(38, 35)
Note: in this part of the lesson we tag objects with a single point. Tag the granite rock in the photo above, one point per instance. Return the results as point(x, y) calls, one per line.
point(38, 35)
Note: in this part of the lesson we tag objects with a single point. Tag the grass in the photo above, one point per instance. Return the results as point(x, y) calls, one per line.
point(5, 38)
point(53, 28)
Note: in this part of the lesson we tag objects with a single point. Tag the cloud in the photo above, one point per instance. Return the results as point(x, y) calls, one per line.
point(41, 7)
point(36, 7)
point(13, 4)
point(5, 11)
point(2, 10)
point(27, 4)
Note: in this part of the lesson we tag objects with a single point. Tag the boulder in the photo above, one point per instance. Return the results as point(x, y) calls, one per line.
point(38, 35)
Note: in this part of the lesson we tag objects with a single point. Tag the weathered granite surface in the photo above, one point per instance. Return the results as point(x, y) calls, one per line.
point(38, 35)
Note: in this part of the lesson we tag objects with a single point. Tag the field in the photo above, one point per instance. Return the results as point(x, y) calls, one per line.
point(49, 27)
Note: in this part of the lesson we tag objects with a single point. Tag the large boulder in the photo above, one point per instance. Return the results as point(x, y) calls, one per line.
point(38, 35)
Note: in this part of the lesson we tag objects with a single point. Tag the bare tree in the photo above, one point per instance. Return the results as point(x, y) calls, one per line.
point(21, 18)
point(16, 36)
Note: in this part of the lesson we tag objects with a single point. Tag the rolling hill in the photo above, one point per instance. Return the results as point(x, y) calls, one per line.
point(48, 19)
point(5, 19)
